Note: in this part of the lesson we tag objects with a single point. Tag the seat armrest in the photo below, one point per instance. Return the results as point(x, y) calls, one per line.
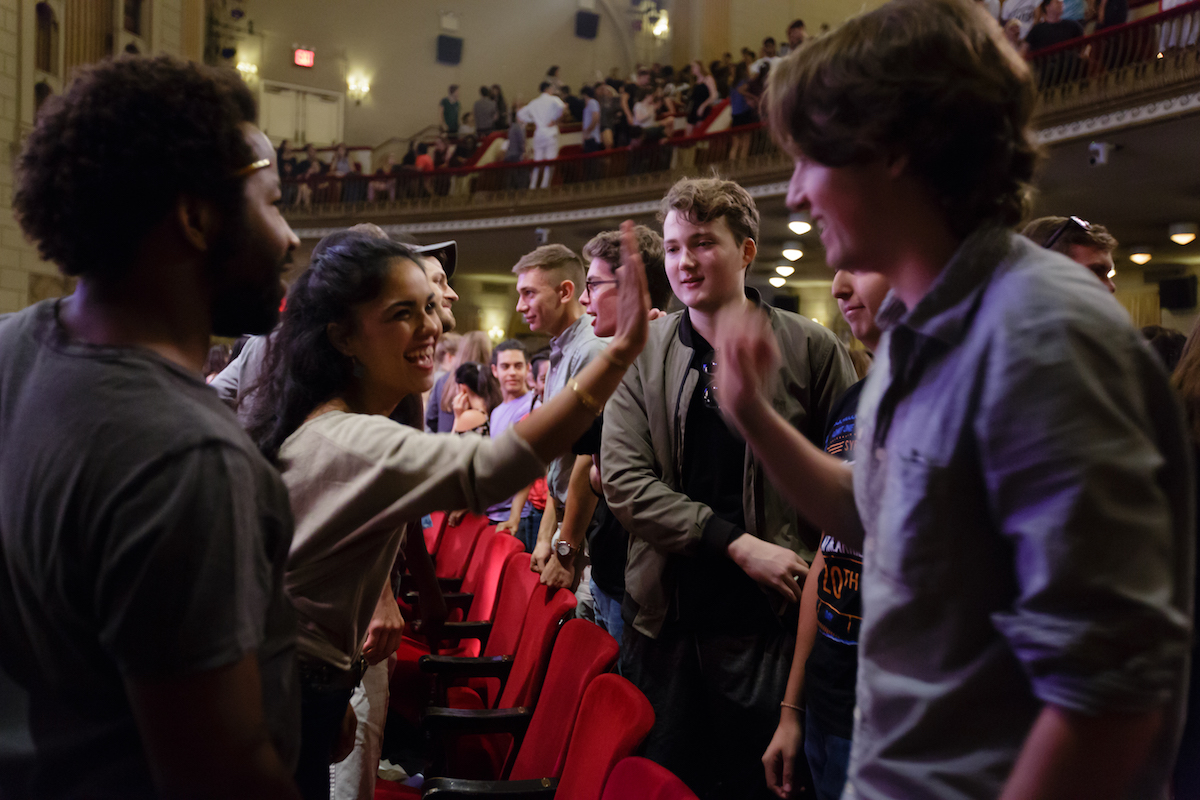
point(459, 667)
point(450, 584)
point(460, 600)
point(462, 721)
point(460, 789)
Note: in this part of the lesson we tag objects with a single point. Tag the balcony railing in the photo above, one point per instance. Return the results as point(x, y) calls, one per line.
point(744, 152)
point(1146, 59)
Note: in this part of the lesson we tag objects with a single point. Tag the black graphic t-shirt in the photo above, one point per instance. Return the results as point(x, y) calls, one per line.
point(832, 666)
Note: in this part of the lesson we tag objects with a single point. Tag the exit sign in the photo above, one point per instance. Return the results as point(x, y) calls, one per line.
point(304, 58)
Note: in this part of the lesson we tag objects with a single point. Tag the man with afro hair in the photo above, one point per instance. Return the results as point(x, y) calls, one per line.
point(143, 625)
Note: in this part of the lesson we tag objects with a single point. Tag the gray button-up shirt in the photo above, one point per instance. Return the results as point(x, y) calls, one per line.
point(1024, 482)
point(570, 352)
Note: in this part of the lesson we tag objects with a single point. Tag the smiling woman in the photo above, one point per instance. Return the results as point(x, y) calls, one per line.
point(358, 335)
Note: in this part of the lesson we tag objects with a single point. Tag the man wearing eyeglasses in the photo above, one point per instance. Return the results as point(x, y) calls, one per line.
point(1079, 240)
point(608, 542)
point(711, 590)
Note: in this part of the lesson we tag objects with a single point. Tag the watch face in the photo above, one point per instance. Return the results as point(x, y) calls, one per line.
point(564, 548)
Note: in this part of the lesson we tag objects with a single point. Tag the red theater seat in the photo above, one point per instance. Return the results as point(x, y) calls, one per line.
point(637, 778)
point(613, 720)
point(412, 690)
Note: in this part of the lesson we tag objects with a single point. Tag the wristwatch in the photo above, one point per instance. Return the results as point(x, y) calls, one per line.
point(564, 548)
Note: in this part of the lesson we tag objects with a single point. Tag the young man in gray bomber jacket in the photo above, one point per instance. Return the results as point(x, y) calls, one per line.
point(711, 586)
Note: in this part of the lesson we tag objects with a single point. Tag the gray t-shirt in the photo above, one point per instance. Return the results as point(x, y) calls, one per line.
point(142, 536)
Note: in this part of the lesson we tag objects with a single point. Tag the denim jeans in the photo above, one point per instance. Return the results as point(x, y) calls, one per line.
point(828, 759)
point(608, 612)
point(527, 532)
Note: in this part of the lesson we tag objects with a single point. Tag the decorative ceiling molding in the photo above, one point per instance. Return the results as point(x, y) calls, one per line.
point(1110, 120)
point(526, 220)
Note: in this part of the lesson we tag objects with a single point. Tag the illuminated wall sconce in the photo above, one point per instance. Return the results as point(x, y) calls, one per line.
point(662, 26)
point(785, 270)
point(359, 88)
point(496, 334)
point(247, 70)
point(1140, 255)
point(1183, 232)
point(799, 224)
point(792, 251)
point(777, 282)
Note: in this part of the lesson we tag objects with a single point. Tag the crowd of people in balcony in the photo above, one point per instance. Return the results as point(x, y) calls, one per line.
point(656, 103)
point(968, 573)
point(1032, 25)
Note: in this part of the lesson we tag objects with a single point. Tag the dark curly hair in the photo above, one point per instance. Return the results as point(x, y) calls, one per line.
point(302, 367)
point(108, 159)
point(931, 79)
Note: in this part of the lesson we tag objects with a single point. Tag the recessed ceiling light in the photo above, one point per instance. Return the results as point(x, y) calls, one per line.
point(777, 282)
point(799, 224)
point(1183, 232)
point(785, 270)
point(792, 254)
point(1140, 255)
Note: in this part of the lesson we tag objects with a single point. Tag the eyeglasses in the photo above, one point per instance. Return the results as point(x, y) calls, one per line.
point(709, 370)
point(591, 285)
point(1083, 225)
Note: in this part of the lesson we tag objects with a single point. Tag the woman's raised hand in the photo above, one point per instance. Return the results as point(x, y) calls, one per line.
point(633, 300)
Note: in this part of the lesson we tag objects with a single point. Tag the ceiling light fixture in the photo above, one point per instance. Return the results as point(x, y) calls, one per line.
point(793, 254)
point(785, 270)
point(1140, 255)
point(1112, 273)
point(777, 282)
point(1183, 232)
point(799, 224)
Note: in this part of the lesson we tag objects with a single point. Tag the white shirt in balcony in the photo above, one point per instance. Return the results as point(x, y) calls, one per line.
point(544, 111)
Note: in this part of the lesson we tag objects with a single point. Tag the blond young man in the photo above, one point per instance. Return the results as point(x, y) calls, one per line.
point(549, 282)
point(715, 552)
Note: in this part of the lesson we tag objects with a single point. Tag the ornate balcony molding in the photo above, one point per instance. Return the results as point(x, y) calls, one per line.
point(1122, 118)
point(774, 189)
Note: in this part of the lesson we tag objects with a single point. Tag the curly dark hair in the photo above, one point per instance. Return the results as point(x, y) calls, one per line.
point(108, 159)
point(302, 367)
point(930, 79)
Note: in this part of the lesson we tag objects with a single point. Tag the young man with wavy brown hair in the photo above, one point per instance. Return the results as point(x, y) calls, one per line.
point(1023, 498)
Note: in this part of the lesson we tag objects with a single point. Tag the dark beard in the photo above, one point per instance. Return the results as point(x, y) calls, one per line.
point(240, 307)
point(246, 310)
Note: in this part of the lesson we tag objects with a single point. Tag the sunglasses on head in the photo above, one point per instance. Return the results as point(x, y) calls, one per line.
point(1083, 225)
